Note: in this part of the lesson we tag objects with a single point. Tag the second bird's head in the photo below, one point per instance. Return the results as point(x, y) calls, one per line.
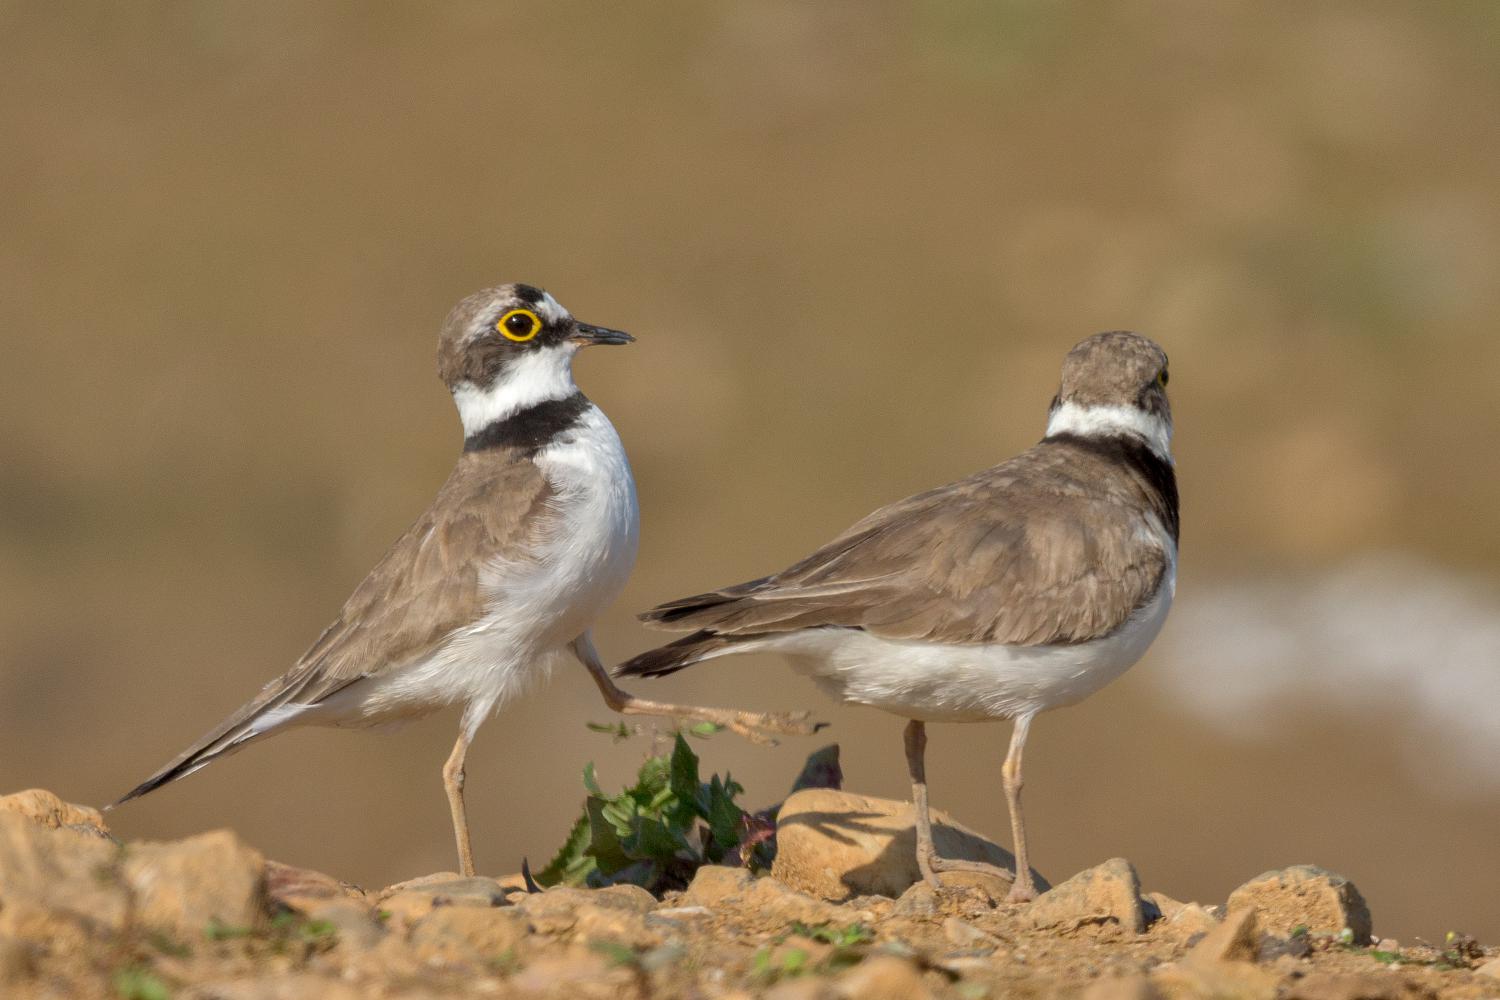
point(511, 347)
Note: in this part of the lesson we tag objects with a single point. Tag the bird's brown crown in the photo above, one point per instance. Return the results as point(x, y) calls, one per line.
point(1117, 368)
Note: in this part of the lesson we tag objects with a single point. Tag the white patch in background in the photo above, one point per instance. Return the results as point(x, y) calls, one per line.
point(533, 377)
point(1386, 633)
point(1091, 421)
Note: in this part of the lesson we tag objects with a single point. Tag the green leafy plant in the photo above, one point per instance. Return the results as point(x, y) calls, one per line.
point(655, 833)
point(670, 822)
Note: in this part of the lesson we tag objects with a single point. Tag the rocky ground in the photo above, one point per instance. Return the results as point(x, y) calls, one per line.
point(84, 916)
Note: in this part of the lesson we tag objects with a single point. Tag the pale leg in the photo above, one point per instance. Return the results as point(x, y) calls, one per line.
point(453, 782)
point(916, 748)
point(1022, 886)
point(1023, 889)
point(754, 726)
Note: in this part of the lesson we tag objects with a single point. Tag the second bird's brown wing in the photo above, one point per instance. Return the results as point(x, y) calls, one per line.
point(1050, 547)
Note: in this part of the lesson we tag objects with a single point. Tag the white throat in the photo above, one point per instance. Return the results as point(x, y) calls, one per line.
point(534, 377)
point(1097, 421)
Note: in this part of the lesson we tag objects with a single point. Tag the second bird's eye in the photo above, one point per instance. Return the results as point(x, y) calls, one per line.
point(1162, 378)
point(519, 325)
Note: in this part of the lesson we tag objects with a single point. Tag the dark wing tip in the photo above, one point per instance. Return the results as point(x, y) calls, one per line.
point(670, 658)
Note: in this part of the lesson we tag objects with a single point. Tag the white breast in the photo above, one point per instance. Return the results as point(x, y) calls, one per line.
point(539, 601)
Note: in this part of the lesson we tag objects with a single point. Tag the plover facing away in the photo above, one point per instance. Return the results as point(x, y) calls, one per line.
point(528, 541)
point(1024, 587)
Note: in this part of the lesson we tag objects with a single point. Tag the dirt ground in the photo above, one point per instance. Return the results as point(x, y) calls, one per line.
point(82, 916)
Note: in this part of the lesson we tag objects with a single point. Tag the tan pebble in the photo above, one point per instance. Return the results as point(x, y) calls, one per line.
point(626, 897)
point(1237, 939)
point(1490, 968)
point(1239, 980)
point(184, 886)
point(1345, 986)
point(1388, 944)
point(301, 889)
point(1165, 905)
point(1191, 919)
point(962, 934)
point(882, 978)
point(1305, 895)
point(468, 933)
point(44, 808)
point(921, 900)
point(1121, 988)
point(1107, 896)
point(355, 923)
point(599, 924)
point(712, 885)
point(59, 872)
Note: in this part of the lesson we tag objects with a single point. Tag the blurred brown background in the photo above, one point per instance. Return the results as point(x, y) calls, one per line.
point(854, 241)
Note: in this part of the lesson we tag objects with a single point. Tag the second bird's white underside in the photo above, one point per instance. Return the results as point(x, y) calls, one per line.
point(936, 682)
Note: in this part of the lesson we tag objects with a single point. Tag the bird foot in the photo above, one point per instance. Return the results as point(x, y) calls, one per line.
point(764, 727)
point(1022, 890)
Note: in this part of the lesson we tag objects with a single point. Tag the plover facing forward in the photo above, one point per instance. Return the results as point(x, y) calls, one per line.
point(528, 541)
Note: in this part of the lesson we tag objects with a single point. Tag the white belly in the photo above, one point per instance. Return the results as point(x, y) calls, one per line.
point(946, 683)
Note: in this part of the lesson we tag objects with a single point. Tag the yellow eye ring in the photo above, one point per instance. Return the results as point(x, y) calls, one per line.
point(519, 325)
point(1161, 379)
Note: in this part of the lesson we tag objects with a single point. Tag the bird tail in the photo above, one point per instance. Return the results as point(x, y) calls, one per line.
point(690, 649)
point(255, 720)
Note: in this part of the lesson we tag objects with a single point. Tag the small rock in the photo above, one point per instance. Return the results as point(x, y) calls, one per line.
point(921, 900)
point(354, 922)
point(882, 978)
point(1108, 895)
point(712, 884)
point(183, 886)
point(616, 914)
point(41, 806)
point(1237, 980)
point(52, 877)
point(1121, 988)
point(678, 919)
point(1490, 968)
point(765, 898)
point(1346, 986)
point(1305, 896)
point(624, 897)
point(1192, 919)
point(408, 902)
point(1388, 944)
point(303, 889)
point(580, 972)
point(468, 933)
point(1165, 906)
point(613, 925)
point(452, 890)
point(836, 845)
point(1237, 939)
point(962, 934)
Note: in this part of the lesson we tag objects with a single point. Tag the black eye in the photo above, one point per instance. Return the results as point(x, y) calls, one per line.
point(519, 324)
point(1162, 378)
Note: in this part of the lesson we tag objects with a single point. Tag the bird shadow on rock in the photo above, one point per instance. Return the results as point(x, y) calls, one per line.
point(842, 853)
